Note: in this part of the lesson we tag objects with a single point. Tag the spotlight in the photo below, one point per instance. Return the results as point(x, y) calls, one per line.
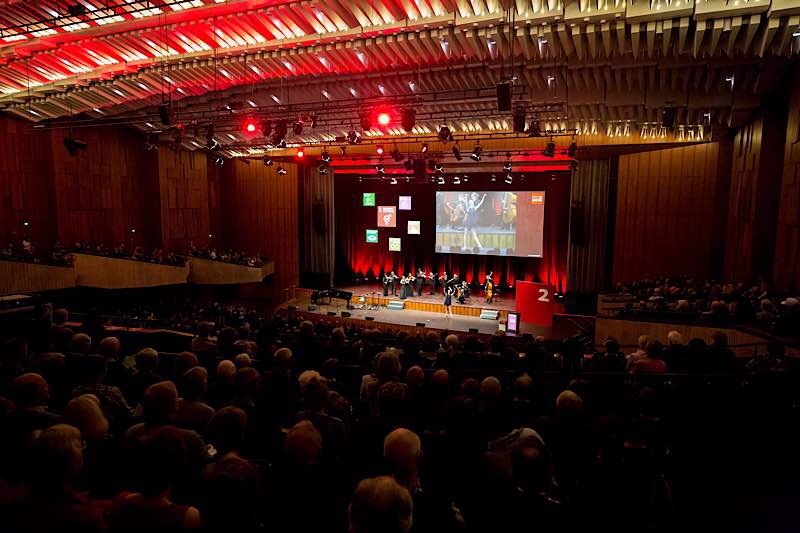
point(457, 153)
point(297, 127)
point(279, 131)
point(441, 180)
point(219, 160)
point(393, 181)
point(573, 148)
point(281, 171)
point(300, 153)
point(343, 150)
point(466, 179)
point(353, 137)
point(325, 156)
point(509, 179)
point(477, 153)
point(493, 178)
point(445, 134)
point(323, 169)
point(409, 164)
point(507, 166)
point(408, 119)
point(250, 125)
point(281, 144)
point(213, 145)
point(267, 161)
point(384, 119)
point(73, 146)
point(396, 155)
point(381, 169)
point(379, 150)
point(424, 148)
point(151, 143)
point(438, 167)
point(550, 151)
point(456, 181)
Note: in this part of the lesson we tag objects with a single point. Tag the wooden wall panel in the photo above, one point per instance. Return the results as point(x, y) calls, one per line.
point(107, 190)
point(26, 188)
point(183, 185)
point(787, 244)
point(261, 214)
point(666, 205)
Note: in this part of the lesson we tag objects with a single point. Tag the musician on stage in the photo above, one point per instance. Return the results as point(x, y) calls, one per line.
point(420, 281)
point(410, 279)
point(443, 280)
point(448, 301)
point(393, 280)
point(386, 280)
point(462, 290)
point(432, 280)
point(489, 289)
point(404, 287)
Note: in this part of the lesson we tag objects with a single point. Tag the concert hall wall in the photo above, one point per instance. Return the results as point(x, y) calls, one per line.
point(355, 259)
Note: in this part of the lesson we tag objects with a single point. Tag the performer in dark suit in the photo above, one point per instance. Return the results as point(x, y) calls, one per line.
point(393, 280)
point(403, 287)
point(386, 281)
point(432, 281)
point(420, 281)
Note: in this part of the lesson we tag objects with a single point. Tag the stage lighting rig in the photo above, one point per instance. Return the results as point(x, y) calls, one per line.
point(267, 161)
point(384, 119)
point(457, 153)
point(509, 179)
point(219, 160)
point(323, 169)
point(477, 153)
point(74, 146)
point(297, 127)
point(534, 130)
point(441, 180)
point(393, 181)
point(281, 171)
point(507, 166)
point(424, 148)
point(249, 126)
point(379, 150)
point(408, 119)
point(466, 179)
point(438, 167)
point(445, 134)
point(550, 151)
point(380, 169)
point(409, 164)
point(281, 144)
point(456, 181)
point(279, 131)
point(353, 137)
point(300, 153)
point(493, 178)
point(325, 157)
point(573, 148)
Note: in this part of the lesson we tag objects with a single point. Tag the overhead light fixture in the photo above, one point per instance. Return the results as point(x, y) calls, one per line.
point(384, 119)
point(445, 134)
point(213, 145)
point(281, 171)
point(507, 166)
point(466, 178)
point(550, 150)
point(297, 127)
point(457, 153)
point(74, 146)
point(267, 161)
point(325, 157)
point(396, 155)
point(534, 130)
point(409, 164)
point(379, 150)
point(408, 119)
point(477, 153)
point(353, 137)
point(456, 181)
point(438, 167)
point(300, 153)
point(393, 181)
point(380, 169)
point(493, 178)
point(424, 148)
point(441, 180)
point(219, 160)
point(509, 179)
point(250, 125)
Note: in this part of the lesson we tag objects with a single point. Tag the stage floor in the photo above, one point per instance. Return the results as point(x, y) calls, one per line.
point(477, 299)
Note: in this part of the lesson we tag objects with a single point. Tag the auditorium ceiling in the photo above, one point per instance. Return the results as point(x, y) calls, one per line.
point(586, 64)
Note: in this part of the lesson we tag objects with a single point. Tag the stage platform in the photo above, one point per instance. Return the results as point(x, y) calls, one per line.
point(427, 309)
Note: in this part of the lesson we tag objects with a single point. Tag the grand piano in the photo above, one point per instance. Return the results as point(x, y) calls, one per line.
point(326, 296)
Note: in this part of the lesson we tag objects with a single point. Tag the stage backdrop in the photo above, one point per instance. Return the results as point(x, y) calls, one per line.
point(357, 259)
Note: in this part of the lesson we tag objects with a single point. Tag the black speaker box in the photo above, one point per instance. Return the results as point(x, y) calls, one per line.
point(369, 318)
point(311, 307)
point(345, 314)
point(292, 308)
point(163, 113)
point(331, 313)
point(420, 324)
point(668, 117)
point(504, 96)
point(473, 330)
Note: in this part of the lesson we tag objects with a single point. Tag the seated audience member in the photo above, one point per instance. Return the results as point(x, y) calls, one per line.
point(146, 365)
point(225, 343)
point(307, 348)
point(612, 359)
point(54, 503)
point(193, 413)
point(640, 353)
point(116, 373)
point(652, 363)
point(163, 459)
point(315, 404)
point(60, 334)
point(115, 407)
point(243, 360)
point(185, 362)
point(676, 356)
point(244, 344)
point(232, 491)
point(203, 344)
point(222, 392)
point(720, 357)
point(380, 505)
point(31, 395)
point(246, 384)
point(387, 368)
point(80, 345)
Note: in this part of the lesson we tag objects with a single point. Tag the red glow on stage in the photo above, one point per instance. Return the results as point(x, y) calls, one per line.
point(250, 125)
point(300, 152)
point(384, 119)
point(379, 150)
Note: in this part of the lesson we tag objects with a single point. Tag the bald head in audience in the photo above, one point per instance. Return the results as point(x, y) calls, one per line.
point(380, 505)
point(109, 348)
point(402, 450)
point(226, 371)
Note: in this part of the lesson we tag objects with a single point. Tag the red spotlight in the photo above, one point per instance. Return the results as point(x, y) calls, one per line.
point(300, 153)
point(384, 119)
point(379, 150)
point(250, 125)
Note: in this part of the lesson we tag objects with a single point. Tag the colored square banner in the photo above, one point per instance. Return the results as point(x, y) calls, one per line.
point(368, 199)
point(413, 227)
point(387, 216)
point(404, 203)
point(394, 244)
point(372, 236)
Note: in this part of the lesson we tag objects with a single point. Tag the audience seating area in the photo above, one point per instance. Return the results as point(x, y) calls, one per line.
point(281, 425)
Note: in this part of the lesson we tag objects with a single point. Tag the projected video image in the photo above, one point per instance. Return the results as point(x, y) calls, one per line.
point(490, 222)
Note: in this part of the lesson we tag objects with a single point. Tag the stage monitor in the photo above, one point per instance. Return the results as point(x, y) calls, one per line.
point(507, 223)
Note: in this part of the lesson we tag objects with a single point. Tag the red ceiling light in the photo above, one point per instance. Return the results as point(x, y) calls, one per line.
point(250, 125)
point(384, 119)
point(379, 150)
point(300, 153)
